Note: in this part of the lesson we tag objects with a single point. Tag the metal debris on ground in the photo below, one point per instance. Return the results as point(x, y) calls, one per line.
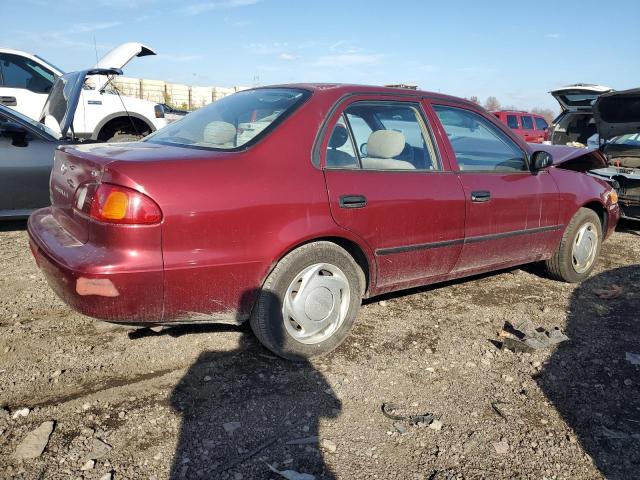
point(292, 474)
point(525, 337)
point(303, 441)
point(390, 410)
point(632, 358)
point(609, 293)
point(618, 435)
point(496, 408)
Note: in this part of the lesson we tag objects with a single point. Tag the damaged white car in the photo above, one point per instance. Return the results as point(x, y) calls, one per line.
point(102, 114)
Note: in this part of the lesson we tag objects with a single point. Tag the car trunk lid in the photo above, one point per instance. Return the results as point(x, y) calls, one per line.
point(74, 168)
point(617, 113)
point(60, 107)
point(578, 97)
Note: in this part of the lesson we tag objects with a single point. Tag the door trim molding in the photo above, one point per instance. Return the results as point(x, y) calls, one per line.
point(469, 240)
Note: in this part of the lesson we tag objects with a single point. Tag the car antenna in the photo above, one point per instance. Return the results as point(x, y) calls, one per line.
point(135, 129)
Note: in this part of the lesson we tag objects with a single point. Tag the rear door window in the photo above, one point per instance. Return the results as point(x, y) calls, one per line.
point(340, 150)
point(512, 121)
point(478, 144)
point(527, 122)
point(384, 136)
point(541, 123)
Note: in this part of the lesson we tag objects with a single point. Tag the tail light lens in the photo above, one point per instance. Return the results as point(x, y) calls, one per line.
point(115, 204)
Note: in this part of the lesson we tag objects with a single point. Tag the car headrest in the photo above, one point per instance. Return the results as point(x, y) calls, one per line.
point(385, 144)
point(219, 133)
point(339, 136)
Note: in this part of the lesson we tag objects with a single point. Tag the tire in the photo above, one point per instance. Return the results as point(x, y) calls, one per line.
point(124, 137)
point(330, 285)
point(570, 263)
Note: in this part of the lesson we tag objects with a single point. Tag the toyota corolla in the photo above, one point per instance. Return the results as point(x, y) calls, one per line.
point(287, 205)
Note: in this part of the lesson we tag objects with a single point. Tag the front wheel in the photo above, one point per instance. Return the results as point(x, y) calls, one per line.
point(309, 301)
point(579, 248)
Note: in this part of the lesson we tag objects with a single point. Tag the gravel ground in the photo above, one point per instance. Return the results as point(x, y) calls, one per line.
point(209, 402)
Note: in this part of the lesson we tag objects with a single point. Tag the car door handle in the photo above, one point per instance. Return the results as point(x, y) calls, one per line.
point(353, 201)
point(480, 196)
point(9, 101)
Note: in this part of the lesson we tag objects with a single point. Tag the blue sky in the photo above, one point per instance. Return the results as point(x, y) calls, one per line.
point(463, 48)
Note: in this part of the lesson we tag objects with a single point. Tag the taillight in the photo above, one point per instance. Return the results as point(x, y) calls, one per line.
point(115, 204)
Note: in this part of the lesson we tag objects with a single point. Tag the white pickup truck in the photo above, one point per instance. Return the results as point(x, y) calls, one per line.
point(102, 114)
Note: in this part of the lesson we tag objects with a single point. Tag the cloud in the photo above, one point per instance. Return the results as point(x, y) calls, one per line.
point(178, 58)
point(346, 60)
point(198, 8)
point(92, 27)
point(344, 47)
point(125, 3)
point(286, 56)
point(267, 48)
point(552, 35)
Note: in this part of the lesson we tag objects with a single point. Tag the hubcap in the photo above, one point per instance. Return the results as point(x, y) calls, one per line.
point(316, 303)
point(585, 247)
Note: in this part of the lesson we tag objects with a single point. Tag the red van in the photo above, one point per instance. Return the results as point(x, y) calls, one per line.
point(529, 126)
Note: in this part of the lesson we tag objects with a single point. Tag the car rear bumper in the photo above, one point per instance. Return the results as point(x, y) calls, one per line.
point(121, 284)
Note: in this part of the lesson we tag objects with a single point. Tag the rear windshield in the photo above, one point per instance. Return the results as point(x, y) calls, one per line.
point(232, 122)
point(578, 99)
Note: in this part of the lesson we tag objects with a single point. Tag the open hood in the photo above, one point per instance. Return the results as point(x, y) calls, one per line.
point(617, 113)
point(60, 107)
point(118, 58)
point(578, 97)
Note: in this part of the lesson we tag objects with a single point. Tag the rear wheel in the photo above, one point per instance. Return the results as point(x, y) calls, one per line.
point(579, 248)
point(309, 302)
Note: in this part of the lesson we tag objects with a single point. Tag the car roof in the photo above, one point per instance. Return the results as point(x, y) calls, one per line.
point(518, 112)
point(340, 89)
point(16, 52)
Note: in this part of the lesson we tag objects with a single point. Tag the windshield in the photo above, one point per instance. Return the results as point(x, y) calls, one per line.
point(232, 122)
point(49, 63)
point(631, 139)
point(29, 121)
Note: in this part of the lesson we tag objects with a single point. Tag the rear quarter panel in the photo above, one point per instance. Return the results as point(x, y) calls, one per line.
point(228, 217)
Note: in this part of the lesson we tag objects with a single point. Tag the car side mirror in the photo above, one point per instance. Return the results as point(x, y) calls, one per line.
point(541, 160)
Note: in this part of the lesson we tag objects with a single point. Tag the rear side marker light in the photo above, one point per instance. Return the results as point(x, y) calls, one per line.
point(116, 204)
point(102, 287)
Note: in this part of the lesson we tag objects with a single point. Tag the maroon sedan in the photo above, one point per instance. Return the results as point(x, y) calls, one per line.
point(287, 205)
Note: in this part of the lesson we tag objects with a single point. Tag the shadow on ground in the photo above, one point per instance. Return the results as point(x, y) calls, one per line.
point(13, 225)
point(589, 379)
point(241, 409)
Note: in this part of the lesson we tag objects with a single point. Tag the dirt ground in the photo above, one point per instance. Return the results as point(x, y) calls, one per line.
point(209, 402)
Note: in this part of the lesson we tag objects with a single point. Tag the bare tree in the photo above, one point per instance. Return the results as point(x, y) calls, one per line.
point(492, 104)
point(474, 99)
point(547, 113)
